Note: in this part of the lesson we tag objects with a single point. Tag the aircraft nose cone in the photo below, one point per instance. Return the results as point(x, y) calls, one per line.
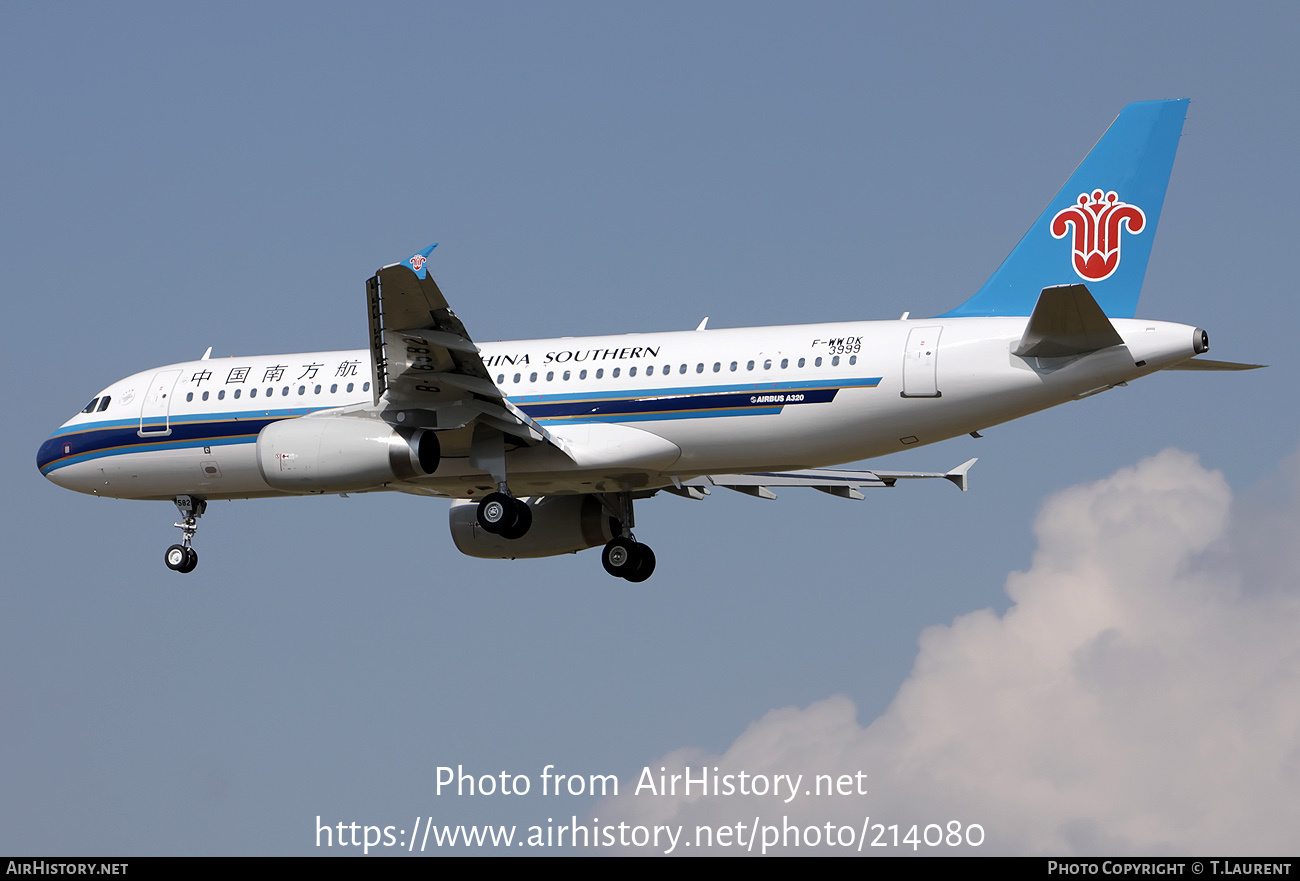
point(54, 460)
point(49, 452)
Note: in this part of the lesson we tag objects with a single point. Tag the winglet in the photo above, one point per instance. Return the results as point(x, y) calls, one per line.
point(958, 474)
point(418, 260)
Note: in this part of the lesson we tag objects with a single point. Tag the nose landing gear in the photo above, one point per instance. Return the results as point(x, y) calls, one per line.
point(182, 557)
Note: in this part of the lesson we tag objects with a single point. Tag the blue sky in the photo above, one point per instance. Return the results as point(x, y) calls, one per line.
point(181, 177)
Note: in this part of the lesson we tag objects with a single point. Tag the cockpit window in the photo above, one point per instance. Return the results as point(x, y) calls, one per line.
point(90, 408)
point(103, 404)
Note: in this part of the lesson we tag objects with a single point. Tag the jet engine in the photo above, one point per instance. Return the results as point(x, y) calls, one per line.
point(333, 454)
point(561, 525)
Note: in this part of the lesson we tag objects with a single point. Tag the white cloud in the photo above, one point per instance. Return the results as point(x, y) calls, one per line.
point(1141, 695)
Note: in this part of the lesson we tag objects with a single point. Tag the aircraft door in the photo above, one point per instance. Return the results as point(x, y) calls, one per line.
point(156, 408)
point(919, 362)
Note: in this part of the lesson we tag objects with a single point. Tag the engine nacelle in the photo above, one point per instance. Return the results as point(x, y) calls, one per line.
point(561, 525)
point(331, 454)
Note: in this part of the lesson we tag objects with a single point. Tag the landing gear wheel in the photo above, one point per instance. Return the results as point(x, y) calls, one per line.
point(618, 555)
point(523, 520)
point(497, 513)
point(177, 557)
point(191, 560)
point(645, 566)
point(625, 558)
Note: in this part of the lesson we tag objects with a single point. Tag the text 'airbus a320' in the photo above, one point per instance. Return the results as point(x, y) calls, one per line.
point(545, 445)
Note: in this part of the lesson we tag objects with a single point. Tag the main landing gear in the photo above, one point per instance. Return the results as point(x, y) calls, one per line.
point(623, 556)
point(499, 513)
point(502, 514)
point(182, 557)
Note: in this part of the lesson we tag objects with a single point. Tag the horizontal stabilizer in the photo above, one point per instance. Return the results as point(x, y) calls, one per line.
point(1067, 321)
point(1207, 364)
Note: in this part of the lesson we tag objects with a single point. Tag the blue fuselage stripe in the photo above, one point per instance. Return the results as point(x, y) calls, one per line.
point(83, 443)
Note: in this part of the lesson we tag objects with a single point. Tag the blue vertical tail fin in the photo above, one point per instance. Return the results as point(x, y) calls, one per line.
point(1100, 227)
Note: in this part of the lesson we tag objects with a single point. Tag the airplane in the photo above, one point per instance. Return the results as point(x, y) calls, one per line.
point(545, 445)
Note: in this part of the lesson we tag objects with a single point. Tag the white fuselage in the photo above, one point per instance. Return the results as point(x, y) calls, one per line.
point(640, 409)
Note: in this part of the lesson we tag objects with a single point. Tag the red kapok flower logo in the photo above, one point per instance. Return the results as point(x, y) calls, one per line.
point(1097, 222)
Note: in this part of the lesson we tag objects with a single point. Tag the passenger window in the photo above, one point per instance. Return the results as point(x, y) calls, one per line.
point(221, 395)
point(683, 368)
point(237, 394)
point(632, 372)
point(734, 365)
point(89, 408)
point(749, 366)
point(284, 393)
point(516, 379)
point(365, 386)
point(334, 387)
point(302, 389)
point(501, 377)
point(817, 363)
point(600, 372)
point(785, 362)
point(252, 393)
point(550, 374)
point(205, 396)
point(532, 377)
point(717, 365)
point(800, 362)
point(649, 371)
point(189, 396)
point(582, 374)
point(767, 365)
point(835, 362)
point(699, 368)
point(614, 375)
point(350, 386)
point(853, 359)
point(566, 376)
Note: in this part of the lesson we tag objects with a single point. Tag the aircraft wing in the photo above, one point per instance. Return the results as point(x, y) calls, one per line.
point(837, 482)
point(425, 362)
